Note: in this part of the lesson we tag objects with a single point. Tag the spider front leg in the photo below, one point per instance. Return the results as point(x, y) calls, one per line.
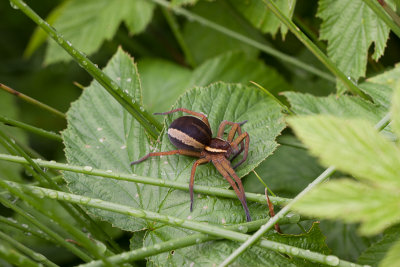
point(244, 136)
point(166, 153)
point(235, 129)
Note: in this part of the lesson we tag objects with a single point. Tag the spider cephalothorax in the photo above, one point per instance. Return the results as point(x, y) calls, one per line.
point(193, 137)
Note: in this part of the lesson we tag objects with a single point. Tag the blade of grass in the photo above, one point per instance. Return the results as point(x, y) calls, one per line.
point(44, 179)
point(269, 50)
point(315, 50)
point(27, 251)
point(78, 235)
point(32, 100)
point(177, 222)
point(32, 129)
point(149, 123)
point(56, 238)
point(24, 228)
point(145, 180)
point(263, 229)
point(12, 256)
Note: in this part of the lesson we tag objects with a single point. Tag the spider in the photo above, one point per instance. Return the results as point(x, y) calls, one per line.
point(193, 137)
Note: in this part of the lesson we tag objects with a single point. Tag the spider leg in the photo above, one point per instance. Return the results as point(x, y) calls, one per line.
point(223, 167)
point(197, 114)
point(195, 164)
point(244, 136)
point(166, 153)
point(235, 128)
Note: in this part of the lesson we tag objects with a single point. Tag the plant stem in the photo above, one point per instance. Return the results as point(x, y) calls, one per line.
point(32, 100)
point(31, 129)
point(145, 180)
point(59, 240)
point(315, 50)
point(11, 222)
point(269, 50)
point(32, 254)
point(173, 24)
point(151, 125)
point(177, 222)
point(393, 23)
point(44, 179)
point(284, 107)
point(173, 244)
point(17, 259)
point(263, 229)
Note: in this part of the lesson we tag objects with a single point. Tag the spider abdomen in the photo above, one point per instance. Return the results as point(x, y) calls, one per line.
point(189, 132)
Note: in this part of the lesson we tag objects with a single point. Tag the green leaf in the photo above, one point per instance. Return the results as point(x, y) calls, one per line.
point(86, 24)
point(395, 111)
point(262, 18)
point(377, 251)
point(342, 142)
point(108, 138)
point(288, 171)
point(350, 27)
point(392, 258)
point(374, 207)
point(199, 37)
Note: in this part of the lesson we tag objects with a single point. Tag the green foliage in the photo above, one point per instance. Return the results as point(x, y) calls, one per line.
point(93, 140)
point(86, 24)
point(201, 55)
point(350, 27)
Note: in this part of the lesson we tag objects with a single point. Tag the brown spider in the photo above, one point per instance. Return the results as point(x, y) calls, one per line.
point(193, 137)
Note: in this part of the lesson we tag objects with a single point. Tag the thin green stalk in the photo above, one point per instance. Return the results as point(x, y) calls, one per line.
point(32, 129)
point(391, 19)
point(269, 50)
point(75, 211)
point(14, 257)
point(57, 239)
point(284, 107)
point(263, 229)
point(25, 228)
point(315, 50)
point(149, 123)
point(208, 190)
point(265, 185)
point(173, 244)
point(32, 101)
point(287, 140)
point(27, 251)
point(173, 24)
point(78, 235)
point(177, 222)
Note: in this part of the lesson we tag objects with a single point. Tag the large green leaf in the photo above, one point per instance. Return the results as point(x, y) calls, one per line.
point(102, 135)
point(86, 24)
point(375, 253)
point(350, 27)
point(262, 18)
point(392, 258)
point(375, 207)
point(342, 143)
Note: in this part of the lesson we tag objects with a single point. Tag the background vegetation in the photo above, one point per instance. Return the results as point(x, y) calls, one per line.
point(324, 122)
